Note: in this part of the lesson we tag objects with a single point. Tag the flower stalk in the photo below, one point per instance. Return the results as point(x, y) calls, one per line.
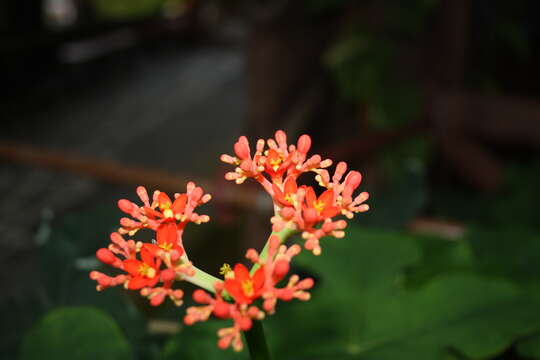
point(256, 342)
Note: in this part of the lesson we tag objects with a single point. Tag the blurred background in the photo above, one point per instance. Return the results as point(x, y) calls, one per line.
point(436, 102)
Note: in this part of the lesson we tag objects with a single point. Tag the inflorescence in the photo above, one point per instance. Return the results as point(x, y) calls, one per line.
point(243, 295)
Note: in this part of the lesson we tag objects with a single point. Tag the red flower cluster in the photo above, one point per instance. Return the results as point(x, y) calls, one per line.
point(147, 264)
point(245, 288)
point(298, 207)
point(243, 296)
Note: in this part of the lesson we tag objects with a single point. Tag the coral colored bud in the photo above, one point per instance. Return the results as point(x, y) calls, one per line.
point(241, 148)
point(189, 320)
point(168, 275)
point(245, 323)
point(175, 254)
point(104, 281)
point(223, 343)
point(143, 194)
point(327, 227)
point(304, 144)
point(281, 137)
point(306, 283)
point(287, 294)
point(105, 256)
point(178, 294)
point(221, 309)
point(157, 299)
point(287, 212)
point(353, 179)
point(281, 268)
point(310, 215)
point(125, 205)
point(200, 296)
point(117, 239)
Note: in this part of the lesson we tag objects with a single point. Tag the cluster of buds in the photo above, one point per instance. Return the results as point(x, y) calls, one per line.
point(145, 265)
point(245, 288)
point(243, 295)
point(298, 207)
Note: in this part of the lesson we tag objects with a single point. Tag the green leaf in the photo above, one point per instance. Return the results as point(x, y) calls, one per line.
point(529, 347)
point(361, 308)
point(439, 256)
point(75, 333)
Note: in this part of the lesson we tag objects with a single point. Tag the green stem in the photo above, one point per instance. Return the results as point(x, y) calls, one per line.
point(203, 279)
point(283, 235)
point(256, 342)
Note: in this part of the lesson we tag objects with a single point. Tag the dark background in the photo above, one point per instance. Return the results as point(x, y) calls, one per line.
point(434, 101)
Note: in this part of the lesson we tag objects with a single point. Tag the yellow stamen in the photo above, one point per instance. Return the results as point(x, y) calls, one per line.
point(289, 198)
point(225, 270)
point(319, 206)
point(276, 162)
point(146, 270)
point(247, 287)
point(168, 213)
point(166, 246)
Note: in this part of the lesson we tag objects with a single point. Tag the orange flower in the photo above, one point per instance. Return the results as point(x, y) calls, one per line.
point(144, 273)
point(287, 197)
point(317, 209)
point(245, 288)
point(169, 210)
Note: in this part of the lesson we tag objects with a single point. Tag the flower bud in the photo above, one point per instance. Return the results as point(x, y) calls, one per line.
point(221, 309)
point(105, 256)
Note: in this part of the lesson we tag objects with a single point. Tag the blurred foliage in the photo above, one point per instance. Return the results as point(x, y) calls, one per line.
point(403, 191)
point(76, 333)
point(366, 64)
point(127, 9)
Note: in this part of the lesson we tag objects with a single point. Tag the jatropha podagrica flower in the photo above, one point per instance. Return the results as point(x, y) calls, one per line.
point(298, 207)
point(244, 295)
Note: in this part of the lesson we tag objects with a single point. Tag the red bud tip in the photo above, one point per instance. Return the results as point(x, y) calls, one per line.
point(281, 268)
point(223, 343)
point(157, 299)
point(200, 296)
point(304, 144)
point(189, 320)
point(221, 309)
point(353, 179)
point(168, 275)
point(104, 281)
point(125, 205)
point(241, 148)
point(105, 256)
point(245, 323)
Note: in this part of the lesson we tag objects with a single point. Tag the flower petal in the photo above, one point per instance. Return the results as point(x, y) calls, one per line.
point(241, 273)
point(164, 201)
point(137, 283)
point(132, 266)
point(310, 196)
point(290, 185)
point(179, 204)
point(234, 288)
point(167, 234)
point(327, 198)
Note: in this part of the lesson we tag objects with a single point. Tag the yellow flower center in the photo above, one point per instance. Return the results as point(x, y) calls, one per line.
point(319, 206)
point(289, 198)
point(247, 287)
point(166, 246)
point(147, 270)
point(276, 162)
point(168, 213)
